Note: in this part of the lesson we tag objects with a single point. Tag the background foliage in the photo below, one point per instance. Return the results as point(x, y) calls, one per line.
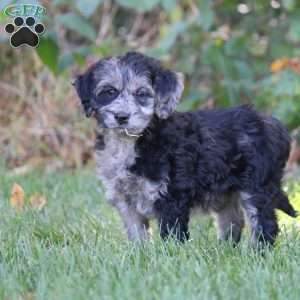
point(62, 241)
point(231, 52)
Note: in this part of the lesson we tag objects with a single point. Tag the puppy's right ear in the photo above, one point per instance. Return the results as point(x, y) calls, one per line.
point(83, 85)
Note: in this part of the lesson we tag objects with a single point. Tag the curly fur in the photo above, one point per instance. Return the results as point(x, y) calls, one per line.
point(226, 162)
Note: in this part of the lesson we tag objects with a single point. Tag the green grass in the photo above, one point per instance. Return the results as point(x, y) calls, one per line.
point(75, 249)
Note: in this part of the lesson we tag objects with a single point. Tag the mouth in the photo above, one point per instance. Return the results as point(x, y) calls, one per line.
point(127, 131)
point(131, 134)
point(124, 129)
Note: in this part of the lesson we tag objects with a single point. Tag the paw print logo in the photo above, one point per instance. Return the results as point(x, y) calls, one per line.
point(24, 33)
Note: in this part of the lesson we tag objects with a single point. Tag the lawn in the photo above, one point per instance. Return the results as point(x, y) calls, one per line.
point(75, 249)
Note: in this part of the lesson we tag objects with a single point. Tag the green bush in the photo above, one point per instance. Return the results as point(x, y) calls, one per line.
point(225, 48)
point(230, 52)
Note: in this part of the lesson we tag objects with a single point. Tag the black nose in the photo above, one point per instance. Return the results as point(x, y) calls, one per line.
point(122, 118)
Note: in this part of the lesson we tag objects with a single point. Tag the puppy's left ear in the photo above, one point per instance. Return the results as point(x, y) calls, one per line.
point(168, 86)
point(83, 86)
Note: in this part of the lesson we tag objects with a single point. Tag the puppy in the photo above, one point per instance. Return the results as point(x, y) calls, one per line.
point(158, 163)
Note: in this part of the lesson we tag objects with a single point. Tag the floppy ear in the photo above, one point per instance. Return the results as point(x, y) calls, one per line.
point(83, 85)
point(168, 86)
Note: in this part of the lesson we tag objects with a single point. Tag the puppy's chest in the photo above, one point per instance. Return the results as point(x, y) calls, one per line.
point(121, 185)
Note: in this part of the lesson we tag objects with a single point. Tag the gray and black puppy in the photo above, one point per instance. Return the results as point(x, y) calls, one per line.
point(155, 162)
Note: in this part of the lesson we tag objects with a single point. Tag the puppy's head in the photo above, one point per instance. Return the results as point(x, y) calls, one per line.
point(126, 91)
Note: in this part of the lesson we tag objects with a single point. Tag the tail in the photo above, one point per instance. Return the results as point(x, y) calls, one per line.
point(285, 205)
point(279, 143)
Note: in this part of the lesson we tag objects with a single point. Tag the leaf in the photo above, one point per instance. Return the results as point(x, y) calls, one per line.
point(294, 30)
point(77, 24)
point(206, 18)
point(48, 52)
point(168, 4)
point(87, 7)
point(279, 64)
point(37, 201)
point(17, 196)
point(286, 83)
point(65, 60)
point(294, 64)
point(170, 34)
point(139, 5)
point(289, 4)
point(76, 55)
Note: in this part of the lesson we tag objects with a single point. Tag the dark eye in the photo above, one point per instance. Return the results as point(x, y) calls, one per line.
point(108, 92)
point(142, 92)
point(107, 95)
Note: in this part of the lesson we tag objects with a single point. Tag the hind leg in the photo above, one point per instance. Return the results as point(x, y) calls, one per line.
point(230, 222)
point(261, 217)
